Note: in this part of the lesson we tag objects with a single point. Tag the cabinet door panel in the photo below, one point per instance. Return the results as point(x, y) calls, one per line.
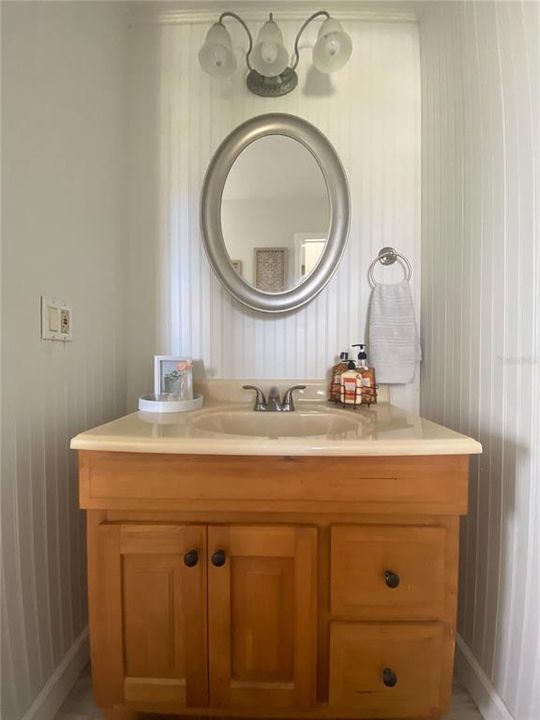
point(262, 594)
point(262, 616)
point(160, 651)
point(153, 618)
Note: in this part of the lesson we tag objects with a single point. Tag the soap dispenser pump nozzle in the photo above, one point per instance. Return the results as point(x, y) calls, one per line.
point(362, 355)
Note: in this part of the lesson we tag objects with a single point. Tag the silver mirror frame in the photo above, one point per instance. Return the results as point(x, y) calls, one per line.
point(338, 195)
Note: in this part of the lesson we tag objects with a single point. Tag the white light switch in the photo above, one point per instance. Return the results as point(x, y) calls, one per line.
point(56, 320)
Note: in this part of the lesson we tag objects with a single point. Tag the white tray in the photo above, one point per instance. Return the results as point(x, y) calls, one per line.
point(149, 403)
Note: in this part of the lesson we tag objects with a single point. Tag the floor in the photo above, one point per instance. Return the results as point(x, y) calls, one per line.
point(80, 704)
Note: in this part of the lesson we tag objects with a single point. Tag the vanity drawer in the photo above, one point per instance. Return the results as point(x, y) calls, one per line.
point(387, 572)
point(386, 670)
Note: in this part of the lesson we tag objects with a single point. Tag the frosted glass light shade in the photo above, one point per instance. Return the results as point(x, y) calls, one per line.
point(333, 47)
point(216, 55)
point(269, 56)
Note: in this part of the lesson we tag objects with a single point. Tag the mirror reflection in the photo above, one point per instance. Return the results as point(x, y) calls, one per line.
point(275, 213)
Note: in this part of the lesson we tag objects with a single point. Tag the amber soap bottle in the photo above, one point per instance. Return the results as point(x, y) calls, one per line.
point(349, 384)
point(335, 378)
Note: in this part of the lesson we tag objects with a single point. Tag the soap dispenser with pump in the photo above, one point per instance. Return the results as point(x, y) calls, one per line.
point(366, 385)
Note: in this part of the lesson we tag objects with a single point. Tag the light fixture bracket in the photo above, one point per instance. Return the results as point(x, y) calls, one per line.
point(275, 86)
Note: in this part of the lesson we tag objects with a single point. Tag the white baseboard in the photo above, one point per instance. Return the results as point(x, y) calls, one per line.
point(57, 687)
point(478, 684)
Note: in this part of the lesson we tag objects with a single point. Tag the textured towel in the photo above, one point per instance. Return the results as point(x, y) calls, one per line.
point(394, 344)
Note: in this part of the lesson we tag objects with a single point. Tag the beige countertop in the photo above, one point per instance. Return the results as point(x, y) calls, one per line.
point(315, 428)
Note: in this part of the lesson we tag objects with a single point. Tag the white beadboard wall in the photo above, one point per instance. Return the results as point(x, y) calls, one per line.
point(481, 323)
point(63, 202)
point(370, 111)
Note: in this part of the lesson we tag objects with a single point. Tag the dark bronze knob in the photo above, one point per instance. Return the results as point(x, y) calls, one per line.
point(191, 558)
point(391, 578)
point(218, 558)
point(389, 677)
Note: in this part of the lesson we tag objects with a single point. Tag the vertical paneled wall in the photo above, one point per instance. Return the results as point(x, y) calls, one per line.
point(370, 111)
point(63, 209)
point(481, 322)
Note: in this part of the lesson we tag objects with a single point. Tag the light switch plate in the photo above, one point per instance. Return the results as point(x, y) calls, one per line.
point(56, 320)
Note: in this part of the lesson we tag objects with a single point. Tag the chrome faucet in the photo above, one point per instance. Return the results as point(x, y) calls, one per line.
point(274, 404)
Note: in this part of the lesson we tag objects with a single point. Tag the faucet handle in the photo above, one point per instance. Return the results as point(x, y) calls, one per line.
point(260, 400)
point(288, 405)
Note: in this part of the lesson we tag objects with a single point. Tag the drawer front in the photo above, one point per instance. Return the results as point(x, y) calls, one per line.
point(153, 481)
point(386, 670)
point(388, 572)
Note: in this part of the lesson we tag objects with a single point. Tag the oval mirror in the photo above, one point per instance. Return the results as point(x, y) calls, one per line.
point(275, 212)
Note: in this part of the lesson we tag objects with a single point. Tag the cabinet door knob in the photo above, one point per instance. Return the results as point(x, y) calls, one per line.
point(391, 578)
point(389, 677)
point(191, 558)
point(218, 558)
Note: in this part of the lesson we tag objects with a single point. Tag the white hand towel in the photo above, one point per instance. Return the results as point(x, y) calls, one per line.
point(394, 343)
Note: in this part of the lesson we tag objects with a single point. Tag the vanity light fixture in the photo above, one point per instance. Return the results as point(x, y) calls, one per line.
point(270, 74)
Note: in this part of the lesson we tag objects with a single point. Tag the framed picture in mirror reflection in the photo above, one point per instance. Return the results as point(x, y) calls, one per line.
point(271, 269)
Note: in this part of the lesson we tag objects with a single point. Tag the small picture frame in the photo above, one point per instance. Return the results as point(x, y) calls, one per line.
point(173, 377)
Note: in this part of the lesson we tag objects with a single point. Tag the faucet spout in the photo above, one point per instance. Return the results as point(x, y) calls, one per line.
point(274, 403)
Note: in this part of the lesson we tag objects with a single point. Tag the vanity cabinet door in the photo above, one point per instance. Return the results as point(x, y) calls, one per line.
point(262, 600)
point(152, 584)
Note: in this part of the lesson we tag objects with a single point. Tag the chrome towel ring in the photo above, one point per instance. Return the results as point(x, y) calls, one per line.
point(388, 256)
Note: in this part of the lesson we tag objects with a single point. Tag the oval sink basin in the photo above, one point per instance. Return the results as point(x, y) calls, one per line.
point(275, 425)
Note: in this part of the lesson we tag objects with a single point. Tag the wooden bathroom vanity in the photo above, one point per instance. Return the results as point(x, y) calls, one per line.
point(272, 585)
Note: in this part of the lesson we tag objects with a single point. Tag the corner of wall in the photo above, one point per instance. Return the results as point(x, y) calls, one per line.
point(57, 687)
point(476, 681)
